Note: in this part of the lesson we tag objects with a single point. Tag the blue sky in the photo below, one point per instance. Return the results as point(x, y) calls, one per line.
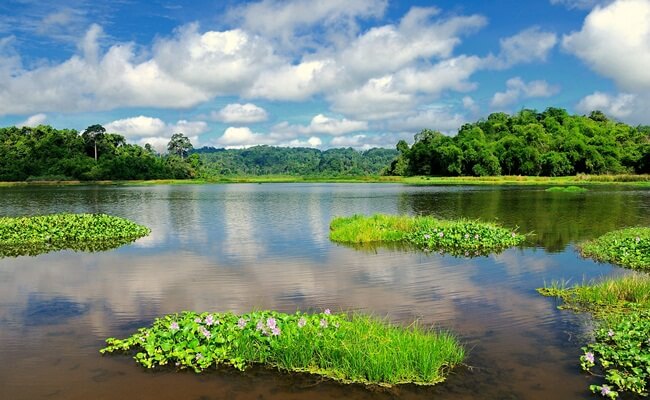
point(316, 73)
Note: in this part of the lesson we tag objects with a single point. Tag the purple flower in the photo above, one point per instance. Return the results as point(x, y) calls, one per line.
point(327, 311)
point(209, 320)
point(199, 356)
point(589, 357)
point(174, 326)
point(275, 331)
point(271, 322)
point(260, 326)
point(205, 332)
point(427, 237)
point(610, 333)
point(241, 323)
point(323, 323)
point(605, 390)
point(441, 234)
point(302, 322)
point(197, 320)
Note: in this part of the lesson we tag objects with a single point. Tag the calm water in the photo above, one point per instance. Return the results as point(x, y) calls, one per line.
point(238, 247)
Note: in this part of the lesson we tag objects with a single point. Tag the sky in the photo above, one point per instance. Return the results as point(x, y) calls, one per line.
point(316, 73)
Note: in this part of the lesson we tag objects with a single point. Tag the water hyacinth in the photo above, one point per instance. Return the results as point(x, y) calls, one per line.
point(629, 247)
point(376, 352)
point(79, 232)
point(427, 233)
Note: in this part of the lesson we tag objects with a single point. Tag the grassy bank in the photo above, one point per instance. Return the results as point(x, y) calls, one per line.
point(353, 348)
point(86, 232)
point(566, 189)
point(627, 180)
point(620, 352)
point(629, 247)
point(461, 237)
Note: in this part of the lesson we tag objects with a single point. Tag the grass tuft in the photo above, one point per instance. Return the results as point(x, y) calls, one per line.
point(629, 247)
point(355, 348)
point(85, 232)
point(460, 237)
point(566, 189)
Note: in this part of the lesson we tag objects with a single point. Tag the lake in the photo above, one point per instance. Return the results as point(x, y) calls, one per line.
point(239, 247)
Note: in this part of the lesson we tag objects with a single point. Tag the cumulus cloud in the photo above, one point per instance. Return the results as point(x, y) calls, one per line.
point(294, 82)
point(242, 137)
point(516, 88)
point(142, 129)
point(366, 141)
point(320, 124)
point(34, 120)
point(529, 45)
point(618, 106)
point(439, 118)
point(240, 113)
point(379, 98)
point(615, 42)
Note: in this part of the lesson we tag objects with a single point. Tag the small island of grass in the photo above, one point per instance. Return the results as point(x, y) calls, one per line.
point(79, 232)
point(566, 189)
point(629, 247)
point(460, 237)
point(621, 348)
point(346, 348)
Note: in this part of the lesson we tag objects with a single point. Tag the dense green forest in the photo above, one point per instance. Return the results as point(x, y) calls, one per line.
point(551, 143)
point(267, 160)
point(45, 153)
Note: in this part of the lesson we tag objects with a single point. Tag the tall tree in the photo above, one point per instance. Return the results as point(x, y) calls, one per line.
point(92, 134)
point(180, 145)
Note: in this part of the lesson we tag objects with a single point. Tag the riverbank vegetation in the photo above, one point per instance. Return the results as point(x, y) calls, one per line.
point(82, 232)
point(620, 350)
point(354, 348)
point(566, 189)
point(460, 237)
point(629, 247)
point(529, 143)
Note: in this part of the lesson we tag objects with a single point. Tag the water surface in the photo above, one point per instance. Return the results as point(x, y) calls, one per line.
point(244, 246)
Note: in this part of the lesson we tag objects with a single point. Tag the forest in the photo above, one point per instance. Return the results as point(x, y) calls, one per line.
point(550, 143)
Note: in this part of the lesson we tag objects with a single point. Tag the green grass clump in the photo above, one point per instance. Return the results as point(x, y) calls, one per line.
point(621, 350)
point(460, 237)
point(566, 189)
point(353, 348)
point(628, 247)
point(85, 232)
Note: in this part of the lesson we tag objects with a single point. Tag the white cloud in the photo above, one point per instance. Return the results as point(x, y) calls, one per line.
point(450, 74)
point(34, 120)
point(529, 45)
point(238, 137)
point(331, 126)
point(516, 88)
point(365, 142)
point(438, 118)
point(241, 113)
point(470, 105)
point(294, 82)
point(378, 99)
point(283, 19)
point(142, 129)
point(615, 42)
point(619, 106)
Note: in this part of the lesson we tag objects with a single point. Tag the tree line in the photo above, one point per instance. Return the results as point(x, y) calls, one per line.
point(45, 153)
point(550, 143)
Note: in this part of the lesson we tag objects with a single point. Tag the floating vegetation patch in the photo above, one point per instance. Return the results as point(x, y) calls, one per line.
point(346, 348)
point(80, 232)
point(461, 237)
point(628, 248)
point(566, 189)
point(620, 352)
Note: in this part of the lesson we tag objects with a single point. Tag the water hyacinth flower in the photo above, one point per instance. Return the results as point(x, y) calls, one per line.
point(198, 356)
point(271, 323)
point(476, 236)
point(637, 239)
point(241, 323)
point(260, 326)
point(427, 237)
point(327, 311)
point(605, 390)
point(513, 234)
point(174, 326)
point(610, 333)
point(323, 323)
point(467, 236)
point(275, 331)
point(209, 320)
point(302, 322)
point(205, 332)
point(589, 357)
point(441, 234)
point(197, 320)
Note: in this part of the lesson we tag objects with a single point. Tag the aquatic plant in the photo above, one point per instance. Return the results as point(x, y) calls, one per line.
point(354, 348)
point(621, 348)
point(566, 189)
point(629, 247)
point(461, 237)
point(79, 232)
